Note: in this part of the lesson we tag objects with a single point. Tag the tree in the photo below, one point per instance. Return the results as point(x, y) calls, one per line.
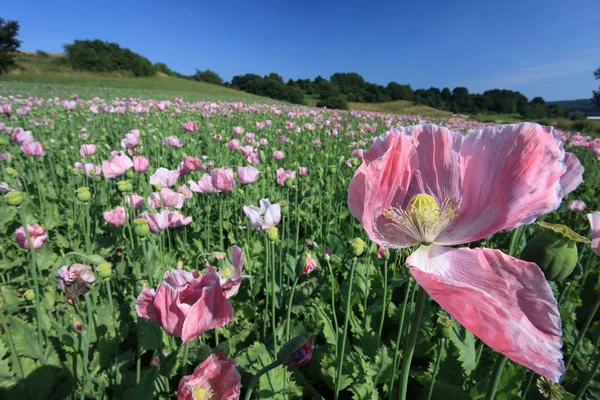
point(597, 92)
point(208, 76)
point(9, 44)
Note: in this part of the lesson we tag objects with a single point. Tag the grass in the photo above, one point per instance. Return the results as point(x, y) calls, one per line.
point(500, 118)
point(402, 107)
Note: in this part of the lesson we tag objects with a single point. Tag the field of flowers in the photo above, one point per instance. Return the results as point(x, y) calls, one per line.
point(198, 250)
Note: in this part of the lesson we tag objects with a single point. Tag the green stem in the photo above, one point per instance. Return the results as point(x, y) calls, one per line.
point(399, 337)
point(383, 308)
point(496, 374)
point(116, 332)
point(338, 379)
point(412, 341)
point(11, 345)
point(588, 377)
point(289, 309)
point(333, 309)
point(436, 368)
point(529, 381)
point(589, 320)
point(256, 377)
point(273, 323)
point(138, 360)
point(186, 351)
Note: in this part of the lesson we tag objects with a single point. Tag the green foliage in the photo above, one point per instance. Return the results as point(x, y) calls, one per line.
point(9, 44)
point(208, 76)
point(271, 85)
point(99, 56)
point(597, 92)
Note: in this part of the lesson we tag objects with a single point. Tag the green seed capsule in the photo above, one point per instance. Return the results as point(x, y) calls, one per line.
point(29, 295)
point(357, 246)
point(14, 198)
point(272, 233)
point(104, 270)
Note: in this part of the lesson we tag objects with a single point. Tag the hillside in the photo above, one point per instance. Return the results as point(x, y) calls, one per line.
point(584, 106)
point(41, 73)
point(400, 107)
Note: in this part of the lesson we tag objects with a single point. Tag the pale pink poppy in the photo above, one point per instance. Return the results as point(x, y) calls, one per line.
point(166, 198)
point(253, 158)
point(185, 191)
point(247, 150)
point(69, 105)
point(260, 125)
point(33, 149)
point(595, 228)
point(216, 379)
point(238, 130)
point(576, 206)
point(289, 125)
point(90, 169)
point(222, 179)
point(37, 234)
point(164, 177)
point(309, 264)
point(173, 141)
point(190, 126)
point(188, 164)
point(186, 304)
point(20, 136)
point(140, 164)
point(278, 155)
point(204, 185)
point(284, 175)
point(247, 175)
point(5, 109)
point(131, 139)
point(134, 201)
point(232, 279)
point(233, 144)
point(425, 184)
point(574, 175)
point(87, 150)
point(116, 216)
point(156, 222)
point(265, 216)
point(5, 156)
point(263, 142)
point(176, 220)
point(117, 166)
point(303, 171)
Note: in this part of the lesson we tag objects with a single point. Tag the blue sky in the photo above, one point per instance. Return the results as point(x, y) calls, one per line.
point(542, 48)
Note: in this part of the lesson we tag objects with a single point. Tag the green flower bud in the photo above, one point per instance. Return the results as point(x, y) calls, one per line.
point(83, 194)
point(14, 198)
point(29, 295)
point(124, 186)
point(355, 162)
point(289, 183)
point(292, 346)
point(129, 174)
point(444, 326)
point(12, 172)
point(554, 250)
point(95, 259)
point(104, 270)
point(140, 227)
point(140, 286)
point(262, 157)
point(332, 169)
point(98, 178)
point(272, 233)
point(157, 187)
point(357, 246)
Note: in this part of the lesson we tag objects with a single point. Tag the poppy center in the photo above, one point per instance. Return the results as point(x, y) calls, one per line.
point(202, 393)
point(424, 218)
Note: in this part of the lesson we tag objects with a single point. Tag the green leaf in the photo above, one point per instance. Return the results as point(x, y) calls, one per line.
point(26, 342)
point(465, 344)
point(328, 328)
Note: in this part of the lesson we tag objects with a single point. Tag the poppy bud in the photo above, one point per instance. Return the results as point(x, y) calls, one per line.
point(14, 198)
point(272, 233)
point(29, 295)
point(289, 183)
point(124, 186)
point(104, 270)
point(306, 263)
point(129, 174)
point(140, 286)
point(98, 178)
point(332, 169)
point(262, 156)
point(141, 227)
point(284, 207)
point(95, 259)
point(297, 352)
point(12, 172)
point(444, 326)
point(357, 246)
point(554, 250)
point(83, 194)
point(77, 325)
point(355, 162)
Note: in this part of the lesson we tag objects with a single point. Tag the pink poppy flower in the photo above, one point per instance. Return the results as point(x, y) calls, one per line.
point(265, 216)
point(164, 177)
point(247, 175)
point(576, 206)
point(289, 125)
point(5, 156)
point(90, 169)
point(20, 136)
point(140, 164)
point(176, 219)
point(37, 234)
point(303, 171)
point(173, 141)
point(216, 379)
point(238, 130)
point(186, 304)
point(87, 150)
point(185, 192)
point(69, 105)
point(232, 279)
point(75, 280)
point(116, 216)
point(33, 149)
point(278, 155)
point(253, 158)
point(188, 164)
point(204, 185)
point(222, 179)
point(166, 198)
point(284, 175)
point(309, 264)
point(131, 139)
point(156, 222)
point(425, 184)
point(574, 175)
point(134, 201)
point(595, 227)
point(190, 126)
point(233, 144)
point(260, 125)
point(5, 108)
point(117, 166)
point(247, 150)
point(263, 142)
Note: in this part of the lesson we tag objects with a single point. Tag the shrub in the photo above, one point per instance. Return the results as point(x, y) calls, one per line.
point(8, 43)
point(337, 101)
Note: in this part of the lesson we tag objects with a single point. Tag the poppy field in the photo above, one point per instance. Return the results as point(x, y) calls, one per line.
point(199, 250)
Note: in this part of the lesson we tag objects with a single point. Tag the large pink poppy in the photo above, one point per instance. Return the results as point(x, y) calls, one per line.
point(216, 378)
point(427, 185)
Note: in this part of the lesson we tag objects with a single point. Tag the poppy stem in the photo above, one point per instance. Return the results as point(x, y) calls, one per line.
point(589, 320)
point(256, 377)
point(383, 307)
point(400, 329)
point(438, 358)
point(289, 309)
point(412, 341)
point(497, 374)
point(338, 379)
point(589, 376)
point(333, 309)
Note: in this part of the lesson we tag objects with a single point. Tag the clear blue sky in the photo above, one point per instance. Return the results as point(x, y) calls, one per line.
point(545, 48)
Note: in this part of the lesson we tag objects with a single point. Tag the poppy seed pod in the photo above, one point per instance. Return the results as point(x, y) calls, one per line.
point(554, 250)
point(357, 246)
point(14, 198)
point(272, 233)
point(83, 194)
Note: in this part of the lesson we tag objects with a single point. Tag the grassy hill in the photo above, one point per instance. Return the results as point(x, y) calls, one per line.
point(402, 107)
point(48, 75)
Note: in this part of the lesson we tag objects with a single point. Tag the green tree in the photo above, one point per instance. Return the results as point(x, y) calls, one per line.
point(597, 92)
point(208, 76)
point(9, 44)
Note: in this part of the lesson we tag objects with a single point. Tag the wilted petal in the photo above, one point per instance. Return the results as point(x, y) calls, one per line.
point(504, 301)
